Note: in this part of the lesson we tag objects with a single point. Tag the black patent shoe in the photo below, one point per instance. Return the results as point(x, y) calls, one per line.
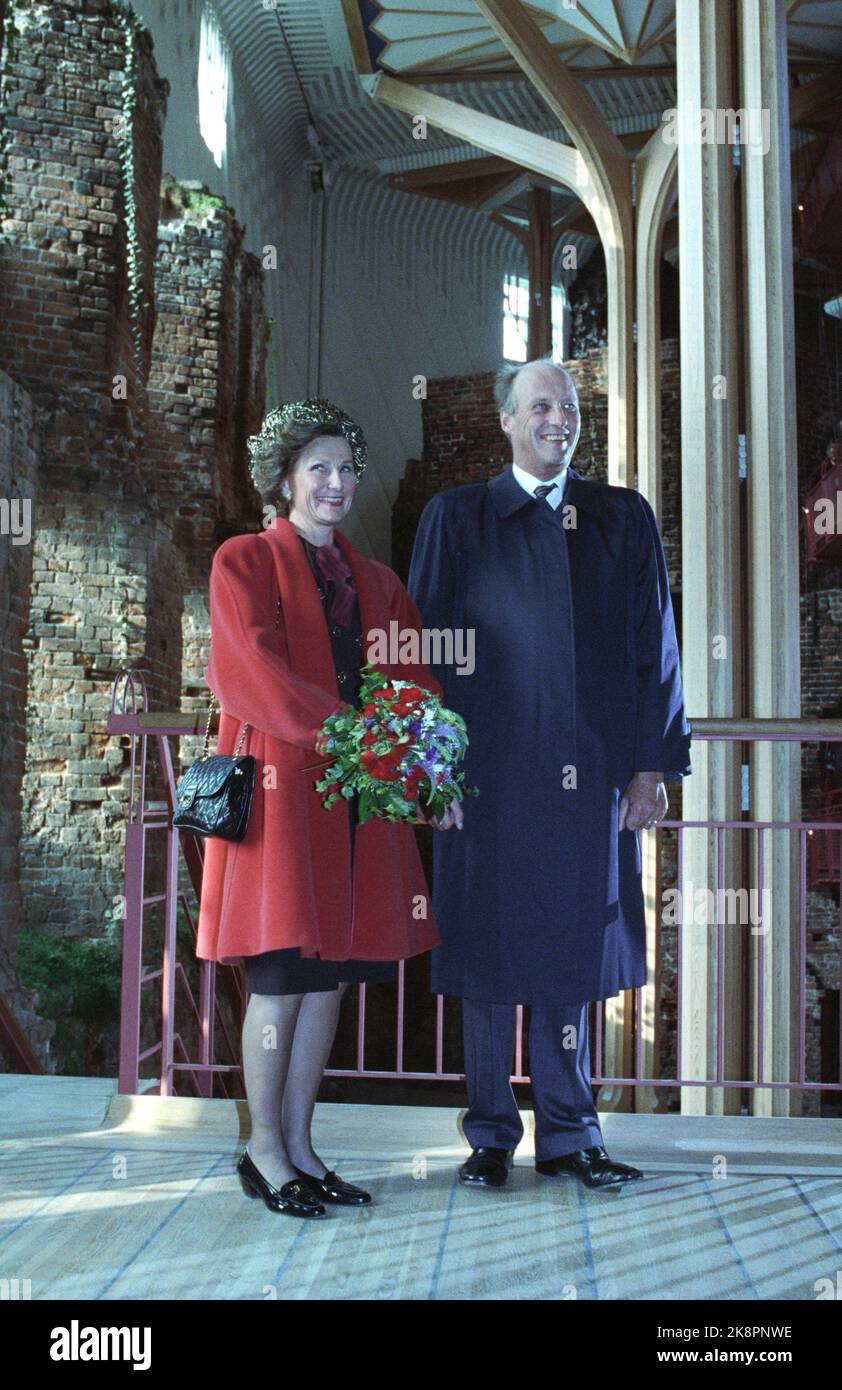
point(331, 1188)
point(293, 1199)
point(593, 1167)
point(486, 1167)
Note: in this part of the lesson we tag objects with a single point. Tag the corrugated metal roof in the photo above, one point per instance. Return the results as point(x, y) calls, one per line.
point(298, 61)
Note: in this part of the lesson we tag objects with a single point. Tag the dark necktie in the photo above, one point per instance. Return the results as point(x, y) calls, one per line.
point(541, 492)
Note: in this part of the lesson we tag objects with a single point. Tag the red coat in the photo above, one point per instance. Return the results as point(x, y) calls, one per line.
point(288, 881)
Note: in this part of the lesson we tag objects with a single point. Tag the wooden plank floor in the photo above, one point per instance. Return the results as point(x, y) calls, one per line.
point(109, 1197)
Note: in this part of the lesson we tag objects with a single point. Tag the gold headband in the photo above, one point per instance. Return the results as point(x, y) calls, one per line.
point(315, 410)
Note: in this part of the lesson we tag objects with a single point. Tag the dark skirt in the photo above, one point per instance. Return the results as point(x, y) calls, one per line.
point(288, 972)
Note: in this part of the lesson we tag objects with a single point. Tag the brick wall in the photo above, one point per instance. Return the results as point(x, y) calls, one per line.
point(78, 338)
point(20, 463)
point(145, 383)
point(207, 392)
point(818, 399)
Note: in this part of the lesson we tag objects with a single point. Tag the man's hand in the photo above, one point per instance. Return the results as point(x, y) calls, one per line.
point(452, 816)
point(644, 802)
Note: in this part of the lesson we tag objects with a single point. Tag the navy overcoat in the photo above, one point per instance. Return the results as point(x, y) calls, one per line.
point(576, 687)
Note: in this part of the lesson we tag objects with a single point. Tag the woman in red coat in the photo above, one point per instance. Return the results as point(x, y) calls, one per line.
point(309, 899)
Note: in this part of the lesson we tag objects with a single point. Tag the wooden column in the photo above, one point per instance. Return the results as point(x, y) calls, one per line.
point(710, 538)
point(657, 167)
point(774, 626)
point(656, 192)
point(540, 340)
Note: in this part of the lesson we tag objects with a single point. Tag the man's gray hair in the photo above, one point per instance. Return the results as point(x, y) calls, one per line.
point(505, 382)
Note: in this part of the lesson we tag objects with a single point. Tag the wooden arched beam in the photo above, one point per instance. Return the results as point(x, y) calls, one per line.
point(608, 166)
point(657, 170)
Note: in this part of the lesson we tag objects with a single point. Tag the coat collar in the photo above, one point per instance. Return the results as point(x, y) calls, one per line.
point(508, 495)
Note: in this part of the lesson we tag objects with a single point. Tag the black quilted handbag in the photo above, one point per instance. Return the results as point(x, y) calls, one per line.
point(215, 794)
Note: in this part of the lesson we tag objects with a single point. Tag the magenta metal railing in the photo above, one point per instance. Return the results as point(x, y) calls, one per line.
point(130, 717)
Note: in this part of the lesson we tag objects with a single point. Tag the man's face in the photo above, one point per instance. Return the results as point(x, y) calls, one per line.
point(544, 429)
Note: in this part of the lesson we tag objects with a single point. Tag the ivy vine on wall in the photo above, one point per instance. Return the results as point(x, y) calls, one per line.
point(8, 33)
point(124, 132)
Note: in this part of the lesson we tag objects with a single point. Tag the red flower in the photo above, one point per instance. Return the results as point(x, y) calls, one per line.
point(387, 767)
point(413, 783)
point(384, 692)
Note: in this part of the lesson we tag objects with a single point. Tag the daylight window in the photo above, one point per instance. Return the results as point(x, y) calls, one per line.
point(516, 318)
point(214, 69)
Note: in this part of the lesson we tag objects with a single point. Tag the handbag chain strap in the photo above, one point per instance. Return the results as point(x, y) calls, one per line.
point(206, 744)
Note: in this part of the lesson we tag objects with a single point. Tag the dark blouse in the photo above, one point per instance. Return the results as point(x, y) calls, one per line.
point(346, 642)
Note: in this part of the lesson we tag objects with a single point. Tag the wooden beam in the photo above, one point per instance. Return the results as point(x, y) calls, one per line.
point(657, 168)
point(476, 193)
point(456, 170)
point(609, 171)
point(512, 188)
point(560, 163)
point(579, 220)
point(356, 34)
point(540, 328)
point(711, 559)
point(598, 175)
point(563, 92)
point(814, 98)
point(768, 333)
point(447, 76)
point(420, 178)
point(522, 233)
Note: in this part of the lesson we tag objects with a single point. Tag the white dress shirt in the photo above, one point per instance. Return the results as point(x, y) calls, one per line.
point(529, 483)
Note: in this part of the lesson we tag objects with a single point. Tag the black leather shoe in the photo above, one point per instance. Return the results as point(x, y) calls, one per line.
point(331, 1188)
point(486, 1167)
point(592, 1166)
point(293, 1199)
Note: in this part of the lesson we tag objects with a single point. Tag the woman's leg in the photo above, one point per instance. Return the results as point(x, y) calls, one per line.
point(268, 1031)
point(314, 1034)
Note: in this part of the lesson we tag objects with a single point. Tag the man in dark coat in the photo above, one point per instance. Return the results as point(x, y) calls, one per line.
point(575, 716)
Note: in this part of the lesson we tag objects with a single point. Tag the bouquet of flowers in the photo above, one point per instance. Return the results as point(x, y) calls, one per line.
point(400, 746)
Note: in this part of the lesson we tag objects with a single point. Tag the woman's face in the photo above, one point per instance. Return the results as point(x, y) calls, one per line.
point(322, 481)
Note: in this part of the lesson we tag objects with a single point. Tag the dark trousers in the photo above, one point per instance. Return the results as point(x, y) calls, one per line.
point(565, 1114)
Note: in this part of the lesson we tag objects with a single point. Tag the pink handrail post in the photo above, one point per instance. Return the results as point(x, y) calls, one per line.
point(170, 948)
point(761, 965)
point(720, 957)
point(131, 962)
